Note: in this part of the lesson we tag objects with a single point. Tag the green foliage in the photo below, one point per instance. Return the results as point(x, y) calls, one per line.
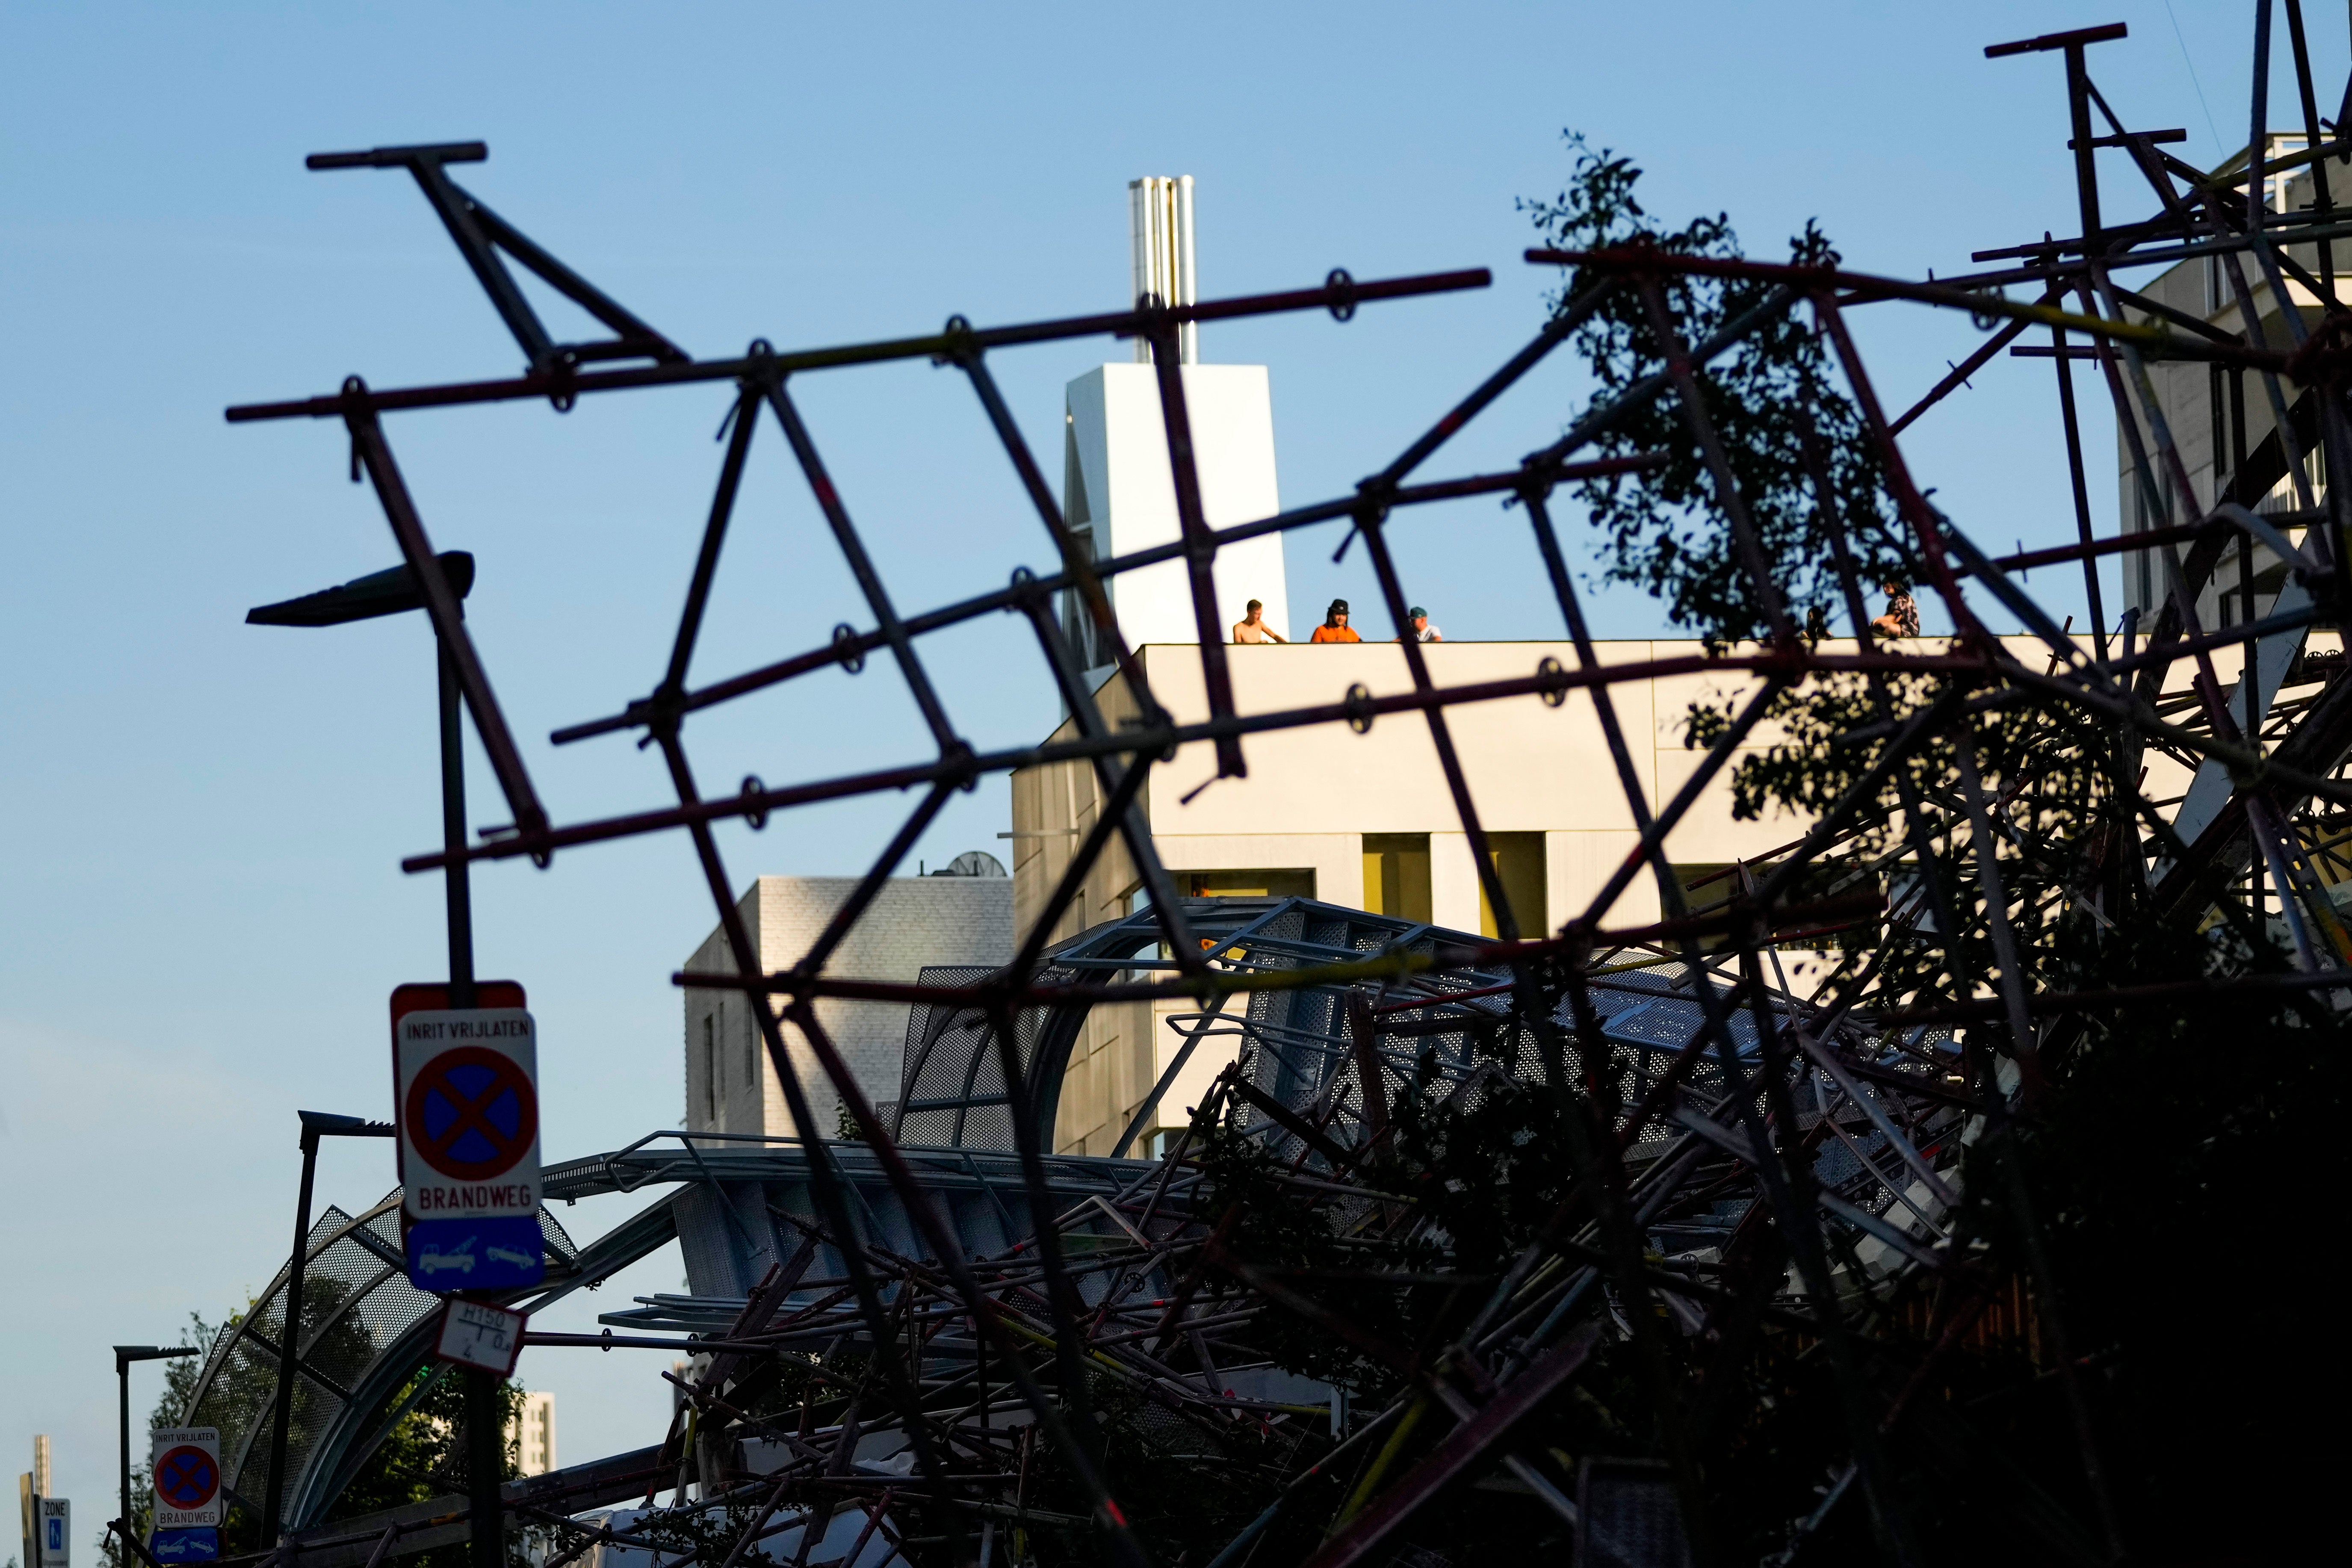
point(423, 1457)
point(2063, 813)
point(1666, 530)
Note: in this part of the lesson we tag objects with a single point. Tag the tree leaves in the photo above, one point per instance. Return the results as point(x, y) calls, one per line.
point(1666, 530)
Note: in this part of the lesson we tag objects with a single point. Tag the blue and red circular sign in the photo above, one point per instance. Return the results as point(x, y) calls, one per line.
point(186, 1478)
point(472, 1113)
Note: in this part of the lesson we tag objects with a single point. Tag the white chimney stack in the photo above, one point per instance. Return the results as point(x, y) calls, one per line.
point(1160, 249)
point(1119, 494)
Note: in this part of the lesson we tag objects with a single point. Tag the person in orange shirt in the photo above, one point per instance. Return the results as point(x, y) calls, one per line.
point(1335, 627)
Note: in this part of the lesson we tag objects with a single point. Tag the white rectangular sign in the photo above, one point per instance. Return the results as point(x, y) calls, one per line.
point(56, 1532)
point(477, 1334)
point(185, 1471)
point(466, 1085)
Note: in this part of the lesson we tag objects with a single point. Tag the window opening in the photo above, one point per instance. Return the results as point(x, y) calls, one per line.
point(1518, 860)
point(1396, 875)
point(1297, 882)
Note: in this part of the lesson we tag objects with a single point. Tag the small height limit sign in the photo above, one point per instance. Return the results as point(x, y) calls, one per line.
point(465, 1100)
point(186, 1474)
point(478, 1335)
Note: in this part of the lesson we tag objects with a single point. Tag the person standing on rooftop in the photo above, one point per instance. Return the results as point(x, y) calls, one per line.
point(1252, 626)
point(1418, 619)
point(1335, 627)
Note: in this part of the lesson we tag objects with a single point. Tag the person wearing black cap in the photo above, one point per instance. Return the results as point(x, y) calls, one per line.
point(1417, 618)
point(1335, 627)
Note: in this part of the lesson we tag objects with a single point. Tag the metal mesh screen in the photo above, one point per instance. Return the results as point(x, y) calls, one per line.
point(356, 1304)
point(952, 1085)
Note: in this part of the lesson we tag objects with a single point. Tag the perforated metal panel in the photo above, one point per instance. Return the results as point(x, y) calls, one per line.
point(356, 1303)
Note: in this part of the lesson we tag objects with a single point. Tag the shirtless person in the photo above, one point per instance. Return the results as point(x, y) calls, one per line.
point(1251, 628)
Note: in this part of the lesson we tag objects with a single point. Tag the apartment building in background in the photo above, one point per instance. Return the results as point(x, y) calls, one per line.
point(961, 915)
point(1367, 819)
point(532, 1434)
point(2220, 419)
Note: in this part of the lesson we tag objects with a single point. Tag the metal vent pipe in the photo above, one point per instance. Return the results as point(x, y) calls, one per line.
point(1160, 253)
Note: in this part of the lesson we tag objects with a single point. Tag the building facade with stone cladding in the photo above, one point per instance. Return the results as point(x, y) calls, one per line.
point(732, 1086)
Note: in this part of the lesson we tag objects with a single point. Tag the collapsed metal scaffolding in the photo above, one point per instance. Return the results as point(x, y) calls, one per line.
point(1744, 1156)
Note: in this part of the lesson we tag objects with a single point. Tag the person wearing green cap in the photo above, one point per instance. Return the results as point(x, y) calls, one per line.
point(1418, 619)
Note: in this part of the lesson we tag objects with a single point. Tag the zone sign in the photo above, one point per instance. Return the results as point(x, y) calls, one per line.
point(465, 1095)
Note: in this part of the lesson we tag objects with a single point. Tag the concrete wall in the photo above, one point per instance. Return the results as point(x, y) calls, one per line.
point(731, 1087)
point(1313, 793)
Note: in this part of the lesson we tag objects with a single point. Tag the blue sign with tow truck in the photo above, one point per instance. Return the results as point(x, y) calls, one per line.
point(196, 1545)
point(493, 1254)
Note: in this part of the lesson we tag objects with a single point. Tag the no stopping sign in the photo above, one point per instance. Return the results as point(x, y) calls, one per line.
point(472, 1113)
point(466, 1091)
point(186, 1476)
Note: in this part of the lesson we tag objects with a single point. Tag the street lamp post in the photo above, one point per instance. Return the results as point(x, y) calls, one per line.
point(366, 599)
point(123, 1356)
point(390, 594)
point(316, 1124)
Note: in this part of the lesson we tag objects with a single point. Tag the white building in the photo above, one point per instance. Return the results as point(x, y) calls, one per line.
point(1367, 820)
point(943, 918)
point(1119, 494)
point(532, 1434)
point(1323, 812)
point(2221, 419)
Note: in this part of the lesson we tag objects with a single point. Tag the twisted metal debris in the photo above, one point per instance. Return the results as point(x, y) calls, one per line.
point(1714, 1196)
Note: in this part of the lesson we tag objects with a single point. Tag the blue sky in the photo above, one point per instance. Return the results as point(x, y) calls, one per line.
point(202, 910)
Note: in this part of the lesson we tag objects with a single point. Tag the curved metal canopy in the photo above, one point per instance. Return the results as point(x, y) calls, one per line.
point(365, 1353)
point(1296, 1043)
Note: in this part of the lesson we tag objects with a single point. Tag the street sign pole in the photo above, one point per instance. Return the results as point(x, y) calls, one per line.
point(383, 594)
point(465, 1081)
point(452, 832)
point(485, 1433)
